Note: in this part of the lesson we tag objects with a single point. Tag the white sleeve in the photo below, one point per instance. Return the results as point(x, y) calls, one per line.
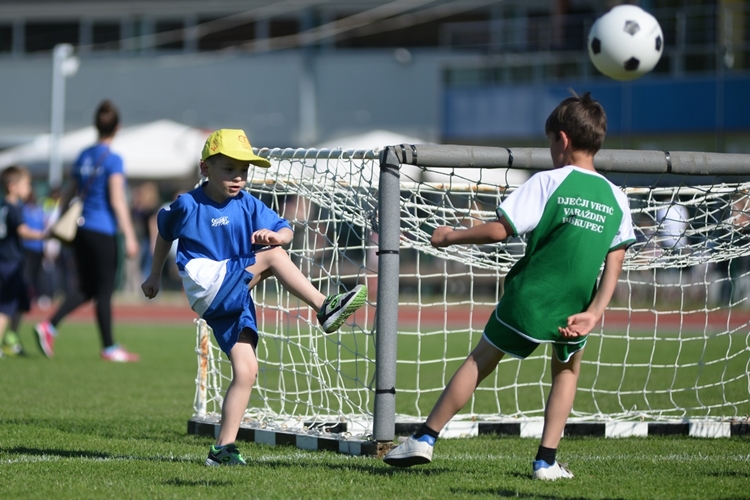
point(625, 234)
point(524, 207)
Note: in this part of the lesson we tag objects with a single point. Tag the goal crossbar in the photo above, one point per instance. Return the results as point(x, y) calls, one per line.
point(606, 160)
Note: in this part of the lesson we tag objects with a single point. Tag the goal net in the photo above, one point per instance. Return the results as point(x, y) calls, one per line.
point(673, 345)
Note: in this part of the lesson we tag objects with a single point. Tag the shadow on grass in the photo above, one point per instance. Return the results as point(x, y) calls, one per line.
point(206, 483)
point(47, 452)
point(91, 455)
point(373, 468)
point(111, 428)
point(730, 473)
point(503, 493)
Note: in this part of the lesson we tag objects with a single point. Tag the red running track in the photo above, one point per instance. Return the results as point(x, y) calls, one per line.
point(178, 311)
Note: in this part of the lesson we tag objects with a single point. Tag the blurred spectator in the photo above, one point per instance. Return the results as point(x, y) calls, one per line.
point(672, 224)
point(98, 179)
point(735, 272)
point(144, 206)
point(33, 216)
point(671, 237)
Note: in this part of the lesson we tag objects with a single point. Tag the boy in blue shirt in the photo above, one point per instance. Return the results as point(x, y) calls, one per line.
point(574, 219)
point(14, 298)
point(228, 242)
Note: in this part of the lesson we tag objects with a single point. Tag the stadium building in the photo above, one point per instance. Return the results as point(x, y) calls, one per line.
point(298, 73)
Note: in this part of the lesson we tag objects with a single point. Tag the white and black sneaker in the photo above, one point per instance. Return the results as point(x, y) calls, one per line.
point(411, 452)
point(336, 308)
point(546, 472)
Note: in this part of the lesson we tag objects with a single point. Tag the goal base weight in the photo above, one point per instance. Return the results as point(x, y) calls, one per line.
point(319, 441)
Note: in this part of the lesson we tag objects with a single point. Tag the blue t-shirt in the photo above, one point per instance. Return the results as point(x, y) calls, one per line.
point(100, 163)
point(11, 248)
point(33, 216)
point(216, 231)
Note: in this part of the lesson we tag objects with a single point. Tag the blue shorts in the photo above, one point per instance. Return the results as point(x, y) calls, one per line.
point(14, 297)
point(218, 291)
point(511, 342)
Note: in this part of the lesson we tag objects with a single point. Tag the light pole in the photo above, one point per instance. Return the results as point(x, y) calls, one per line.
point(64, 64)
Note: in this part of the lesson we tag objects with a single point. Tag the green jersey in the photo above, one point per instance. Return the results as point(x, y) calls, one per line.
point(572, 218)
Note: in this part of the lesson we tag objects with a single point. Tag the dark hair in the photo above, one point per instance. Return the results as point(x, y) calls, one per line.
point(106, 119)
point(582, 119)
point(12, 174)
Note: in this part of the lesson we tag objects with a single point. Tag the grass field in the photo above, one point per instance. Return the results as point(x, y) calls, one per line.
point(77, 427)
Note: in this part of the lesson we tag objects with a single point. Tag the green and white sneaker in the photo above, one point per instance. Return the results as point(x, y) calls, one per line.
point(12, 344)
point(224, 455)
point(336, 308)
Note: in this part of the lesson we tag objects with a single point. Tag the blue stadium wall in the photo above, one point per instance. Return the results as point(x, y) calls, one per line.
point(648, 108)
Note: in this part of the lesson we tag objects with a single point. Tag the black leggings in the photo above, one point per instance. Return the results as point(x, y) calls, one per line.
point(96, 260)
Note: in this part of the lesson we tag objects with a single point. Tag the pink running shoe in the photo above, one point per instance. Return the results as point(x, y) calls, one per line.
point(118, 354)
point(45, 336)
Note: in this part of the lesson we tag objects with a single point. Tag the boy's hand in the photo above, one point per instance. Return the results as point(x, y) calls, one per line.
point(151, 286)
point(439, 236)
point(579, 325)
point(267, 237)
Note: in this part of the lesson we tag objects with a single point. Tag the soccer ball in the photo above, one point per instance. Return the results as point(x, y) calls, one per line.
point(625, 43)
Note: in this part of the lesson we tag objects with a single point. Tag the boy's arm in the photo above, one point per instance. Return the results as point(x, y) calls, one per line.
point(489, 232)
point(582, 323)
point(152, 284)
point(27, 233)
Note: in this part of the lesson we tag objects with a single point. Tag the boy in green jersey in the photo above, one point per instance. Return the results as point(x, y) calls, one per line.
point(574, 219)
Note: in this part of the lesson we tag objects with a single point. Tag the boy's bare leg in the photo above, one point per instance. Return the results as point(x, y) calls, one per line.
point(561, 397)
point(245, 371)
point(4, 320)
point(480, 363)
point(277, 261)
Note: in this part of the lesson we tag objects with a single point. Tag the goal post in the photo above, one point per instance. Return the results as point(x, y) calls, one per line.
point(672, 353)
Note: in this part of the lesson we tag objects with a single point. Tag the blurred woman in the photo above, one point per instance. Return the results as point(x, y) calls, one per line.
point(98, 179)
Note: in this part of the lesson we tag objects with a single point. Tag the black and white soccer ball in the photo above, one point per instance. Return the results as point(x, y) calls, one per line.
point(626, 42)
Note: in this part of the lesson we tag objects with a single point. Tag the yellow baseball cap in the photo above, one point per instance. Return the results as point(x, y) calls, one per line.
point(234, 144)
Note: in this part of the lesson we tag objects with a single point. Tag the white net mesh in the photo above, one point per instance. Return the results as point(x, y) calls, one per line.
point(673, 344)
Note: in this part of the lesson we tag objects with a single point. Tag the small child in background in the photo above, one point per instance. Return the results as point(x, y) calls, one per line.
point(229, 241)
point(14, 297)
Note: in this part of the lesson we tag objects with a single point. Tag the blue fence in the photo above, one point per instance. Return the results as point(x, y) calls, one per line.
point(652, 105)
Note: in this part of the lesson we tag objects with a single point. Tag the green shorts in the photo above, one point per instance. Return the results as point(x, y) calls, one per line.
point(519, 346)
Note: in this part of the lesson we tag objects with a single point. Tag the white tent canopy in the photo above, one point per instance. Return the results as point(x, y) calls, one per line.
point(161, 149)
point(375, 140)
point(378, 139)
